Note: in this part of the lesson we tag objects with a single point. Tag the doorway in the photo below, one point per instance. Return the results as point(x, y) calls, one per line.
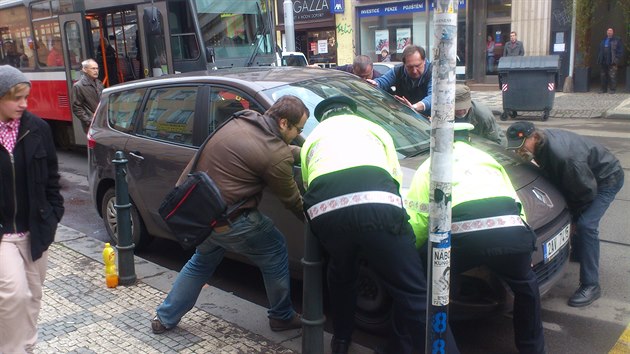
point(496, 37)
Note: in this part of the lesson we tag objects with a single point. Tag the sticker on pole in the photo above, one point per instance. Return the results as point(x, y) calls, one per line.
point(441, 276)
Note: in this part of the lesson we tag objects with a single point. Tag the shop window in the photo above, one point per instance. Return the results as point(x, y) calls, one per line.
point(322, 47)
point(499, 8)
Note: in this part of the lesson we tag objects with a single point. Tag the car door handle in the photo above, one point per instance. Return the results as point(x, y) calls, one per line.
point(136, 154)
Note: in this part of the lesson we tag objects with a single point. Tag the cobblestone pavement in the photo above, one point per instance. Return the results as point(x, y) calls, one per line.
point(568, 105)
point(81, 315)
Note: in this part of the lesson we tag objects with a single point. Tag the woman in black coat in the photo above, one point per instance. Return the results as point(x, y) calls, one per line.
point(30, 209)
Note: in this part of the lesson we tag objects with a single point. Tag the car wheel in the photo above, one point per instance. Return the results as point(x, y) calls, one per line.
point(513, 114)
point(374, 304)
point(139, 236)
point(504, 115)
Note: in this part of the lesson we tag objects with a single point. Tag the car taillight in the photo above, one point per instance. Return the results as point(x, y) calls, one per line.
point(91, 143)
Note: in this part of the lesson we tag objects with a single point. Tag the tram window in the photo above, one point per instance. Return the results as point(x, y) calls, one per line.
point(16, 44)
point(46, 31)
point(49, 49)
point(183, 39)
point(73, 34)
point(233, 27)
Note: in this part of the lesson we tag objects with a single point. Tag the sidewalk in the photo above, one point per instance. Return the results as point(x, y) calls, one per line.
point(588, 105)
point(81, 315)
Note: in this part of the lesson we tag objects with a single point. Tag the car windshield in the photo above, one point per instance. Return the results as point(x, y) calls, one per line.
point(409, 130)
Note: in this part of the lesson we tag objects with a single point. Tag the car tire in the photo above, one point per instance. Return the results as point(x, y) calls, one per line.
point(374, 304)
point(139, 236)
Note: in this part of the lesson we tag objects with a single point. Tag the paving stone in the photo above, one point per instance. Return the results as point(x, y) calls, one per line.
point(81, 315)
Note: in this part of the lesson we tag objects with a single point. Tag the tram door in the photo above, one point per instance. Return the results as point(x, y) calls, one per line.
point(154, 35)
point(73, 44)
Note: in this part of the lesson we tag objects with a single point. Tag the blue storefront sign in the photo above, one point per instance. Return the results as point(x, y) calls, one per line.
point(400, 8)
point(337, 7)
point(392, 9)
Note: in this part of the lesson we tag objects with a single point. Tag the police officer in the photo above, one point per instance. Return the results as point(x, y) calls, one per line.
point(488, 229)
point(352, 178)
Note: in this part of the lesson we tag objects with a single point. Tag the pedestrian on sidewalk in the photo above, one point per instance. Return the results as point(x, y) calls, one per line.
point(514, 47)
point(490, 45)
point(86, 93)
point(247, 155)
point(589, 176)
point(483, 194)
point(31, 206)
point(609, 57)
point(352, 178)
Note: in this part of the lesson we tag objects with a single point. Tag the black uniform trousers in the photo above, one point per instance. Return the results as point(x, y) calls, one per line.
point(507, 251)
point(381, 235)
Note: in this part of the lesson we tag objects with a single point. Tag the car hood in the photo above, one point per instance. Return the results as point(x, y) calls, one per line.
point(542, 201)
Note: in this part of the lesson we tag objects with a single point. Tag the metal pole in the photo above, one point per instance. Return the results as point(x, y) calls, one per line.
point(569, 78)
point(312, 304)
point(125, 246)
point(443, 115)
point(289, 26)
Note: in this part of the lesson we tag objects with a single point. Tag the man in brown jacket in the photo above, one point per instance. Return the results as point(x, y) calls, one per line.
point(86, 93)
point(248, 154)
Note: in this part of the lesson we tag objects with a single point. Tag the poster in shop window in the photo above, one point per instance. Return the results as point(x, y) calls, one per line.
point(381, 39)
point(403, 39)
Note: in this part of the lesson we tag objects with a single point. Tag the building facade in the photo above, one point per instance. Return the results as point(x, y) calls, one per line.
point(368, 26)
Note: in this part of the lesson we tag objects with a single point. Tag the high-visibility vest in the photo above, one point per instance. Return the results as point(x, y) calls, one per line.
point(346, 141)
point(476, 176)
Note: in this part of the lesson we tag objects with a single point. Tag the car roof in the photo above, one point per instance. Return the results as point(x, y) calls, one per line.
point(391, 64)
point(260, 78)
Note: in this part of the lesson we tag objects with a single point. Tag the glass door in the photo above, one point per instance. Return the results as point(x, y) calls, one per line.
point(496, 37)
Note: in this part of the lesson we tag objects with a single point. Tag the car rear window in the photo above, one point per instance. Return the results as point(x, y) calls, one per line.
point(122, 108)
point(169, 114)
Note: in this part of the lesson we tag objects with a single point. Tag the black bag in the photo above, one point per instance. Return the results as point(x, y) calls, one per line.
point(192, 209)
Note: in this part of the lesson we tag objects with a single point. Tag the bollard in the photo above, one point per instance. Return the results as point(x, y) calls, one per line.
point(312, 302)
point(125, 246)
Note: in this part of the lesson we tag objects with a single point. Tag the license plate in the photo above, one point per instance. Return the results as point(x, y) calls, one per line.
point(553, 246)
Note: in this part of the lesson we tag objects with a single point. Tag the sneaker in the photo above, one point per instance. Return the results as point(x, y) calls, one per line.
point(157, 327)
point(585, 295)
point(294, 322)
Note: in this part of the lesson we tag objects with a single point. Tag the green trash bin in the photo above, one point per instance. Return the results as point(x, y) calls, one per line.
point(528, 83)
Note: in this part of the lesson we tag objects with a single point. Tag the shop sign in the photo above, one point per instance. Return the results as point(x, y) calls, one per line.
point(337, 7)
point(307, 10)
point(392, 9)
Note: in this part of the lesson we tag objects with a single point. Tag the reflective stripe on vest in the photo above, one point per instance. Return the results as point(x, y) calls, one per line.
point(493, 222)
point(351, 199)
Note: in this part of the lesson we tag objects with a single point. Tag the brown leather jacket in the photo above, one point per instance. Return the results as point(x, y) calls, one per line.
point(247, 155)
point(85, 96)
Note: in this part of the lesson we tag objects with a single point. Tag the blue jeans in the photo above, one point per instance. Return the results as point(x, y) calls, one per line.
point(587, 231)
point(252, 235)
